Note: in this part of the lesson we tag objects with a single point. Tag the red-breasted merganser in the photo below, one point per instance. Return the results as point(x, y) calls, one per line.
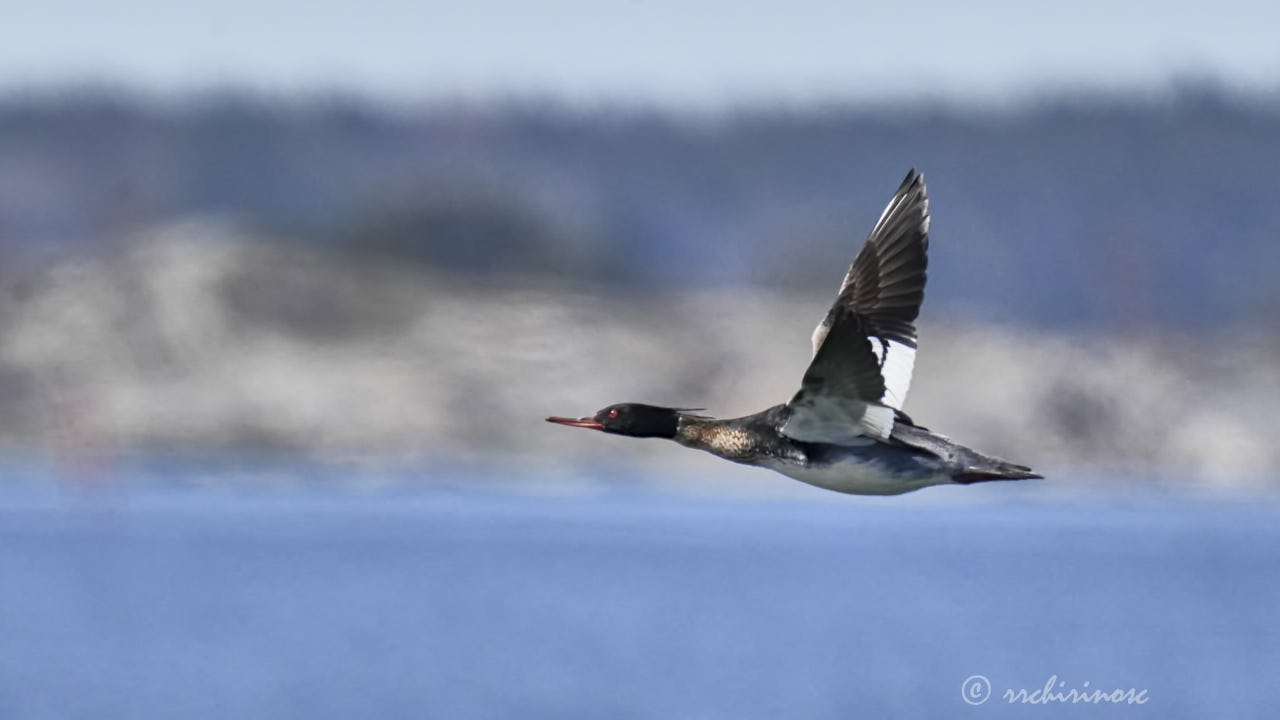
point(844, 430)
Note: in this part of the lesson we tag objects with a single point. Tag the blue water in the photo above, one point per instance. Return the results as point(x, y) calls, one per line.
point(454, 602)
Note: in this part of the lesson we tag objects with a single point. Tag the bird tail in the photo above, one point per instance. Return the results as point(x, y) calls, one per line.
point(965, 465)
point(984, 468)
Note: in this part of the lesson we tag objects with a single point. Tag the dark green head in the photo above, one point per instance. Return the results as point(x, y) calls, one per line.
point(632, 419)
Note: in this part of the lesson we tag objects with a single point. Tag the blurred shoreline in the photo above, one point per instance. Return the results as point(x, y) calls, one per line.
point(198, 339)
point(238, 278)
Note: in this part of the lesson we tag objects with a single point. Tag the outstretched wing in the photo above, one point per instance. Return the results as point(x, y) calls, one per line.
point(864, 349)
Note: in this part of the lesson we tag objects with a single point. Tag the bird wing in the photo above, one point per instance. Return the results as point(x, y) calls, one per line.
point(865, 347)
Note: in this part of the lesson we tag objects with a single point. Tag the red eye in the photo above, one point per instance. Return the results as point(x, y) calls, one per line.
point(613, 413)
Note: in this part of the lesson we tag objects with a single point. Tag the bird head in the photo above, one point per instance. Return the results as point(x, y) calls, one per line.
point(632, 419)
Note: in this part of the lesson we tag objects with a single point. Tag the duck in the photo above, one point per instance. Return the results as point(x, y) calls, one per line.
point(844, 429)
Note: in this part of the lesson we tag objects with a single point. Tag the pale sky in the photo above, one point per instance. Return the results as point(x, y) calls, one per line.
point(650, 51)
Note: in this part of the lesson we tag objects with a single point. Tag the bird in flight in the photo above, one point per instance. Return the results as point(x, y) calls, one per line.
point(844, 430)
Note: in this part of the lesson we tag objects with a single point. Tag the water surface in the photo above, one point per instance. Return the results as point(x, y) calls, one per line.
point(460, 601)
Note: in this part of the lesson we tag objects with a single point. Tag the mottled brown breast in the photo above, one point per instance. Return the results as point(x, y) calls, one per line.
point(731, 442)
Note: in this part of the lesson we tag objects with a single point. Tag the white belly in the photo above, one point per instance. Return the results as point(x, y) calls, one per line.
point(857, 478)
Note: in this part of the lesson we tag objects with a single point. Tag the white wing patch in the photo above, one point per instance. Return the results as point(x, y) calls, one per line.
point(877, 421)
point(895, 369)
point(837, 421)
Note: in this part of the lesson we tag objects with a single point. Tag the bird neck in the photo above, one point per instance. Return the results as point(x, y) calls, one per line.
point(690, 431)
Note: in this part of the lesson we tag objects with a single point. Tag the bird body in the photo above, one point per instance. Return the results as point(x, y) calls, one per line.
point(864, 467)
point(844, 430)
point(915, 458)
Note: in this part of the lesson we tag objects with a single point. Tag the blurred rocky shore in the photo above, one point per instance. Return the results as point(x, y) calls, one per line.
point(193, 338)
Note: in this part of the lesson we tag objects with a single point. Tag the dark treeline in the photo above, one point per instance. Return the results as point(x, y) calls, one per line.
point(1094, 212)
